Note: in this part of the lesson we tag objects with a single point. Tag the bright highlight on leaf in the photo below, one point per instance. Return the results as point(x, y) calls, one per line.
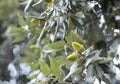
point(77, 46)
point(72, 57)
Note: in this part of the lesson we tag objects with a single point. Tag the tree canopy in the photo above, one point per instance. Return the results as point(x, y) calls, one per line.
point(59, 41)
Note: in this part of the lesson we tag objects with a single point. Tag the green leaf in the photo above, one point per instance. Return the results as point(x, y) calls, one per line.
point(32, 40)
point(35, 30)
point(16, 29)
point(32, 77)
point(30, 55)
point(57, 45)
point(53, 47)
point(74, 37)
point(55, 64)
point(19, 39)
point(44, 67)
point(21, 20)
point(76, 22)
point(13, 35)
point(70, 24)
point(34, 66)
point(26, 59)
point(33, 22)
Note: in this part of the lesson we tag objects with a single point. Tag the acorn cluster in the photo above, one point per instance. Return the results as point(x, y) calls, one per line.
point(77, 47)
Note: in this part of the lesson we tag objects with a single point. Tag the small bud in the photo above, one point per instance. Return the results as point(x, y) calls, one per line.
point(72, 57)
point(77, 46)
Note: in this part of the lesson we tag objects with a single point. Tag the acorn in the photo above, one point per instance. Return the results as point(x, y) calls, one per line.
point(48, 1)
point(77, 46)
point(72, 57)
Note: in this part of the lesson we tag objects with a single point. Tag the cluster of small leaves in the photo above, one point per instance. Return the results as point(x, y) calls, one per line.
point(46, 33)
